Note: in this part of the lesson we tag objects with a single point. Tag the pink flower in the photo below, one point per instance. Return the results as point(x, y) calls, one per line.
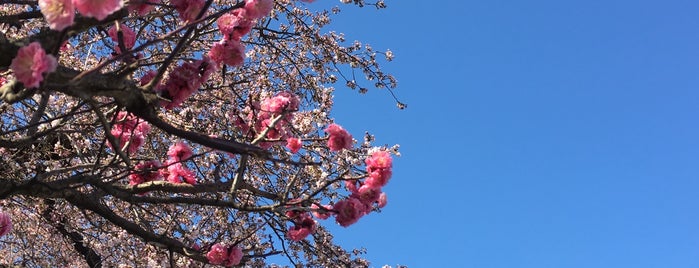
point(98, 9)
point(179, 151)
point(177, 173)
point(217, 255)
point(58, 13)
point(230, 52)
point(184, 80)
point(282, 101)
point(188, 9)
point(339, 138)
point(368, 194)
point(145, 172)
point(382, 200)
point(322, 213)
point(379, 166)
point(134, 140)
point(142, 7)
point(349, 211)
point(235, 25)
point(5, 223)
point(294, 144)
point(129, 37)
point(301, 229)
point(257, 9)
point(31, 63)
point(235, 254)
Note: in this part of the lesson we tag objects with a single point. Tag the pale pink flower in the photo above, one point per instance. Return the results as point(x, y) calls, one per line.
point(98, 9)
point(351, 185)
point(234, 256)
point(5, 223)
point(179, 151)
point(301, 229)
point(322, 213)
point(129, 37)
point(235, 25)
point(383, 200)
point(230, 52)
point(142, 7)
point(58, 13)
point(188, 9)
point(349, 211)
point(258, 8)
point(218, 254)
point(31, 63)
point(294, 144)
point(145, 172)
point(177, 173)
point(339, 138)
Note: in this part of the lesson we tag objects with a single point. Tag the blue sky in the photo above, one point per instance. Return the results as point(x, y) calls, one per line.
point(537, 134)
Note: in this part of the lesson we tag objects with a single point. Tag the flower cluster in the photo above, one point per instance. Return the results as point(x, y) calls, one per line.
point(176, 172)
point(272, 116)
point(145, 172)
point(5, 223)
point(31, 63)
point(303, 225)
point(363, 194)
point(233, 26)
point(130, 132)
point(183, 81)
point(339, 138)
point(223, 255)
point(188, 9)
point(128, 37)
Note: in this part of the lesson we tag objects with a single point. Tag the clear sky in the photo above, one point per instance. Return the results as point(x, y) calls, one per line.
point(538, 133)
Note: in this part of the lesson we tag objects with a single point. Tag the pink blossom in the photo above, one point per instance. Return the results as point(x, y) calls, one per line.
point(31, 63)
point(234, 256)
point(142, 7)
point(98, 9)
point(349, 211)
point(230, 52)
point(217, 255)
point(322, 213)
point(282, 101)
point(188, 9)
point(133, 139)
point(294, 144)
point(379, 165)
point(184, 80)
point(378, 177)
point(58, 13)
point(179, 151)
point(129, 37)
point(301, 229)
point(177, 173)
point(235, 25)
point(382, 200)
point(145, 172)
point(339, 138)
point(257, 9)
point(5, 223)
point(368, 194)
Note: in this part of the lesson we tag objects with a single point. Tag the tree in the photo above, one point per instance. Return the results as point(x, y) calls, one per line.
point(180, 133)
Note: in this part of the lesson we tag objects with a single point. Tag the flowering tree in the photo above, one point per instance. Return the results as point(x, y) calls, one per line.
point(180, 133)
